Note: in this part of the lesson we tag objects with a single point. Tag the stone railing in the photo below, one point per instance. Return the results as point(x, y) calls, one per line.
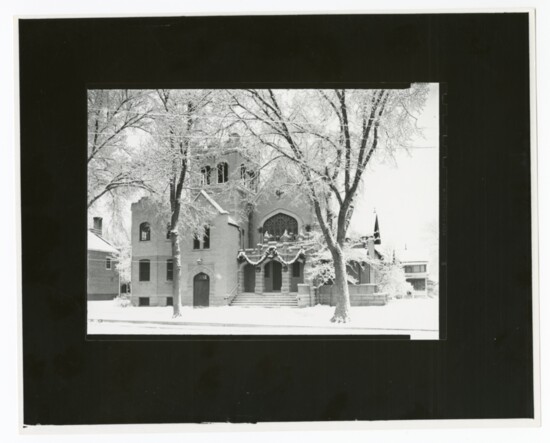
point(360, 295)
point(232, 294)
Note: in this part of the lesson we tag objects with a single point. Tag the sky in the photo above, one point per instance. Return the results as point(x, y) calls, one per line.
point(405, 195)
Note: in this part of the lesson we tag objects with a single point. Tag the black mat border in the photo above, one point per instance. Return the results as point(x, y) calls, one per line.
point(484, 367)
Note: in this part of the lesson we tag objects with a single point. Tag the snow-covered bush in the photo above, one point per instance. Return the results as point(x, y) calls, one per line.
point(392, 280)
point(122, 301)
point(124, 263)
point(321, 266)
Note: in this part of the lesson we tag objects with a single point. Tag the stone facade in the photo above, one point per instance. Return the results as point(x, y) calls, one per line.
point(240, 256)
point(217, 261)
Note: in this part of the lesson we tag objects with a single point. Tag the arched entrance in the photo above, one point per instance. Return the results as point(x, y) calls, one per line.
point(249, 278)
point(201, 290)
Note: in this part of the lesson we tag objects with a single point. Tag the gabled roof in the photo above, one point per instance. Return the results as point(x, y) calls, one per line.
point(97, 243)
point(231, 221)
point(378, 251)
point(213, 202)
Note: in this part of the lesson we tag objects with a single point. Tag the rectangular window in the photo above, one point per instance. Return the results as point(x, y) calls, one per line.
point(169, 269)
point(296, 269)
point(196, 243)
point(108, 263)
point(206, 239)
point(144, 301)
point(144, 270)
point(415, 269)
point(169, 301)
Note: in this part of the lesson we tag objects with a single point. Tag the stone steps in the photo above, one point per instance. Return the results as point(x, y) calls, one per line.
point(267, 300)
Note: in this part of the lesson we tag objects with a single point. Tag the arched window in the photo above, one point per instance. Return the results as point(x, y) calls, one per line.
point(206, 238)
point(144, 270)
point(252, 180)
point(223, 170)
point(248, 178)
point(145, 232)
point(280, 222)
point(205, 172)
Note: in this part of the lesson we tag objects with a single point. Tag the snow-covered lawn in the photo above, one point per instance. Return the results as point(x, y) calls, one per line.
point(416, 317)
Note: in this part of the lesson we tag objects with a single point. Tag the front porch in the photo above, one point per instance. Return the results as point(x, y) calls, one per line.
point(271, 268)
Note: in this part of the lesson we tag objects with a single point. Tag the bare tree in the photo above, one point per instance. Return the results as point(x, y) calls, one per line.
point(329, 137)
point(112, 116)
point(180, 137)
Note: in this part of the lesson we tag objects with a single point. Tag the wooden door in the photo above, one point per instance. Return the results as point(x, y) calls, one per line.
point(201, 290)
point(277, 270)
point(249, 278)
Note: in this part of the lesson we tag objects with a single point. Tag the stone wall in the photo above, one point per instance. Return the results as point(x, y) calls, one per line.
point(158, 288)
point(219, 262)
point(360, 295)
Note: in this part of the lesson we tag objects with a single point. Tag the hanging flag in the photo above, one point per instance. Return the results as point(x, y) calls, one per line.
point(377, 239)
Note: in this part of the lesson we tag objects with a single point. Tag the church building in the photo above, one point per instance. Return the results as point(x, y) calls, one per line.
point(253, 253)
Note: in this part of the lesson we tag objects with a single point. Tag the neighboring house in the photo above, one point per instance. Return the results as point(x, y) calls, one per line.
point(103, 278)
point(254, 252)
point(416, 271)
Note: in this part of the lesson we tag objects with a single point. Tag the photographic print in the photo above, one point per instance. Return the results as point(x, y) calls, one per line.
point(264, 211)
point(272, 219)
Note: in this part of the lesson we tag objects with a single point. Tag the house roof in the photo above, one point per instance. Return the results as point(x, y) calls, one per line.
point(408, 255)
point(97, 243)
point(213, 202)
point(231, 221)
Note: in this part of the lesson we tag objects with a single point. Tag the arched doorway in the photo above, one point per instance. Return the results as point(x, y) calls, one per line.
point(249, 278)
point(201, 290)
point(277, 224)
point(273, 276)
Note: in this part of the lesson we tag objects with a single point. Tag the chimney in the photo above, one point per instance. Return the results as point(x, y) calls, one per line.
point(98, 225)
point(370, 248)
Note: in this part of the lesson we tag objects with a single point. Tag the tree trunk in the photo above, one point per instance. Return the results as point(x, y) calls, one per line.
point(176, 271)
point(342, 311)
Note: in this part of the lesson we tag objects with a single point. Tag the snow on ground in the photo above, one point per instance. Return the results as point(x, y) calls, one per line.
point(416, 317)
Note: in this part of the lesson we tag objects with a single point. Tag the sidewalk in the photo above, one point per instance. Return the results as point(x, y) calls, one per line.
point(417, 318)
